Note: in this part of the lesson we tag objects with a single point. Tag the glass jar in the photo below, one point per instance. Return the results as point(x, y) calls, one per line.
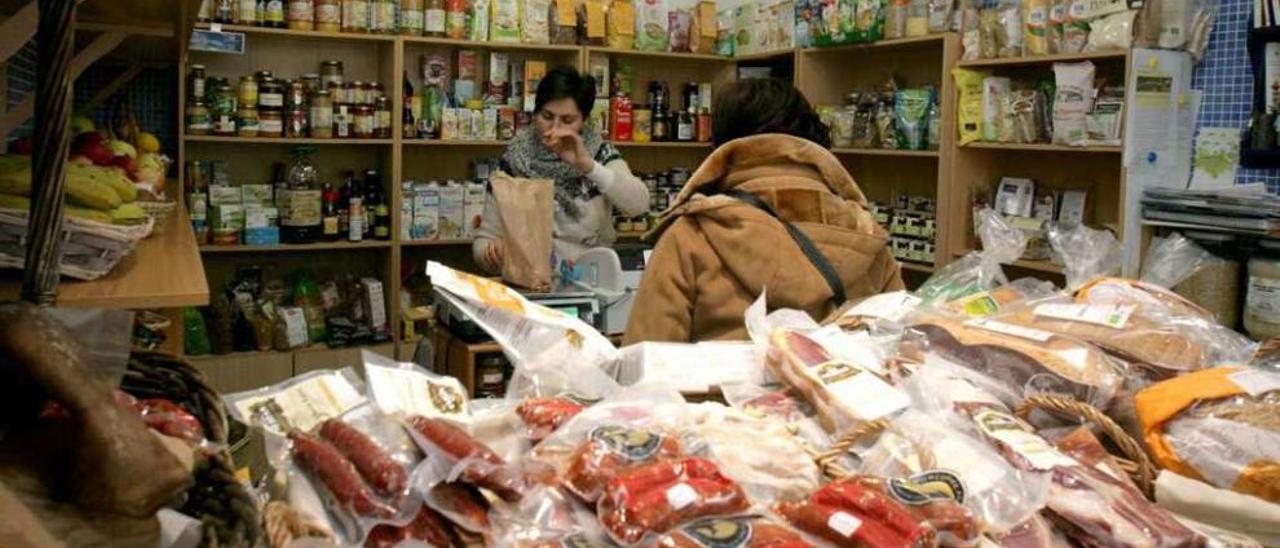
point(302, 15)
point(199, 121)
point(330, 73)
point(247, 93)
point(642, 124)
point(455, 18)
point(355, 16)
point(274, 14)
point(433, 18)
point(311, 83)
point(196, 82)
point(352, 93)
point(363, 125)
point(262, 76)
point(295, 123)
point(382, 16)
point(223, 111)
point(342, 121)
point(247, 122)
point(1262, 299)
point(328, 15)
point(247, 12)
point(382, 118)
point(224, 12)
point(411, 17)
point(321, 115)
point(297, 98)
point(270, 123)
point(376, 91)
point(270, 95)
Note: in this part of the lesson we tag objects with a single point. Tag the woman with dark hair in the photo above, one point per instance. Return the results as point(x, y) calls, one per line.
point(771, 211)
point(590, 175)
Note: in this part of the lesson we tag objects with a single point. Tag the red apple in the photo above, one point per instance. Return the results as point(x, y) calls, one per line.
point(99, 153)
point(24, 146)
point(129, 165)
point(85, 140)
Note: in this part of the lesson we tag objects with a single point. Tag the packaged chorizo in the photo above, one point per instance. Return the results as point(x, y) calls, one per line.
point(732, 532)
point(544, 415)
point(657, 497)
point(465, 458)
point(547, 517)
point(929, 500)
point(860, 512)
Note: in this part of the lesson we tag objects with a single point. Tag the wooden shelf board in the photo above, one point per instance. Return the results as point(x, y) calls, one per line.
point(916, 267)
point(764, 56)
point(429, 243)
point(661, 144)
point(513, 46)
point(1042, 59)
point(659, 54)
point(317, 347)
point(1044, 147)
point(164, 271)
point(307, 34)
point(318, 246)
point(885, 152)
point(455, 142)
point(282, 140)
point(890, 43)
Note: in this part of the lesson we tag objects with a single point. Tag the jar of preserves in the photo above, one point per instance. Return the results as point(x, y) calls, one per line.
point(411, 17)
point(270, 95)
point(382, 118)
point(297, 98)
point(247, 12)
point(342, 121)
point(311, 83)
point(270, 123)
point(321, 115)
point(330, 73)
point(433, 18)
point(302, 15)
point(1262, 299)
point(355, 16)
point(274, 14)
point(262, 76)
point(247, 122)
point(352, 93)
point(295, 123)
point(223, 111)
point(382, 16)
point(196, 82)
point(363, 125)
point(199, 122)
point(336, 94)
point(247, 93)
point(328, 15)
point(375, 91)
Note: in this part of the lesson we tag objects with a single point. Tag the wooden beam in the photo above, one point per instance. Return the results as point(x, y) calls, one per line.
point(110, 89)
point(100, 46)
point(17, 30)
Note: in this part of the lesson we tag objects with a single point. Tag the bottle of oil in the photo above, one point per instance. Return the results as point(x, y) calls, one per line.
point(302, 223)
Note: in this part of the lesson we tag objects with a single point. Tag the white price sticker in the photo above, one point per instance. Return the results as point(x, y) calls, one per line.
point(1106, 315)
point(1256, 381)
point(865, 394)
point(844, 523)
point(681, 495)
point(1010, 329)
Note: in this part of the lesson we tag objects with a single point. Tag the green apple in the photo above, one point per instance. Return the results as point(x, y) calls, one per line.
point(81, 124)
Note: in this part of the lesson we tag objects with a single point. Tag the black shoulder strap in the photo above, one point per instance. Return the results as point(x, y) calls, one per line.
point(806, 245)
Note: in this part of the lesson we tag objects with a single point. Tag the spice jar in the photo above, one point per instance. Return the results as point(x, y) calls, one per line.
point(364, 122)
point(196, 82)
point(355, 16)
point(199, 121)
point(382, 118)
point(270, 123)
point(247, 122)
point(301, 15)
point(224, 111)
point(321, 115)
point(1262, 299)
point(411, 14)
point(270, 95)
point(247, 93)
point(295, 123)
point(328, 15)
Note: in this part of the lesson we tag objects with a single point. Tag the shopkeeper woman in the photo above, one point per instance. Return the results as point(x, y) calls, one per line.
point(591, 178)
point(771, 211)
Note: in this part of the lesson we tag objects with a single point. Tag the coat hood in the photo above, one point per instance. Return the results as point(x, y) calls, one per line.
point(807, 186)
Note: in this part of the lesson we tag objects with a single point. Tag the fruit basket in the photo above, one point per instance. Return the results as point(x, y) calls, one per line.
point(90, 249)
point(159, 211)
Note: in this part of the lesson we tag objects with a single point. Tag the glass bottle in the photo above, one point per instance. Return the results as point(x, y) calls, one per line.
point(355, 16)
point(433, 18)
point(275, 14)
point(684, 126)
point(411, 13)
point(344, 203)
point(307, 296)
point(372, 197)
point(407, 124)
point(224, 12)
point(302, 15)
point(205, 15)
point(330, 214)
point(303, 222)
point(382, 118)
point(355, 219)
point(247, 12)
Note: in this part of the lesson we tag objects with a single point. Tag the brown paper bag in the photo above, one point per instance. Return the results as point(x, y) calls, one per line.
point(526, 207)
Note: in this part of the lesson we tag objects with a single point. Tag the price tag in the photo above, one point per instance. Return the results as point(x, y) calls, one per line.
point(1113, 316)
point(681, 495)
point(1010, 329)
point(844, 523)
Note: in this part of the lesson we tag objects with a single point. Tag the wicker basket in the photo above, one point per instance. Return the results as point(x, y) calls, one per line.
point(159, 211)
point(90, 249)
point(1133, 459)
point(219, 500)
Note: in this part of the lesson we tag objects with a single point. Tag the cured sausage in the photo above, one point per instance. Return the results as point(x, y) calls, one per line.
point(610, 449)
point(844, 528)
point(170, 419)
point(739, 532)
point(376, 465)
point(427, 526)
point(462, 503)
point(484, 469)
point(544, 415)
point(656, 497)
point(953, 522)
point(327, 464)
point(876, 505)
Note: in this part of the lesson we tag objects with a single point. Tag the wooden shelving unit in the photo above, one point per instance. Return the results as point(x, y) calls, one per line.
point(295, 248)
point(282, 140)
point(886, 152)
point(1045, 147)
point(1045, 59)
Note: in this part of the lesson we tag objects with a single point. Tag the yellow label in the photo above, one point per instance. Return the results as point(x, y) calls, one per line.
point(566, 13)
point(595, 19)
point(622, 17)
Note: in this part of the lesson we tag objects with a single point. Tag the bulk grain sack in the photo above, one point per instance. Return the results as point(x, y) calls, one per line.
point(525, 208)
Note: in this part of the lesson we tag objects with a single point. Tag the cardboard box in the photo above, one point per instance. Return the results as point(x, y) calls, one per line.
point(257, 194)
point(452, 211)
point(226, 217)
point(533, 73)
point(426, 211)
point(473, 207)
point(499, 67)
point(375, 304)
point(255, 216)
point(224, 194)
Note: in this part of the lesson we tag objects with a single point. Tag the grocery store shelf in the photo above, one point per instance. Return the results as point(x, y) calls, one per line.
point(661, 54)
point(369, 244)
point(456, 142)
point(661, 144)
point(1043, 59)
point(317, 347)
point(305, 34)
point(164, 271)
point(1044, 147)
point(282, 140)
point(428, 243)
point(1047, 267)
point(764, 56)
point(916, 267)
point(513, 46)
point(885, 152)
point(890, 43)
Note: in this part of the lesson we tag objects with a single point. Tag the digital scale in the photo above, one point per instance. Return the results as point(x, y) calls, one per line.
point(583, 305)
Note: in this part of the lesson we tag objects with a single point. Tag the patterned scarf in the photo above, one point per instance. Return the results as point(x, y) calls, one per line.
point(527, 157)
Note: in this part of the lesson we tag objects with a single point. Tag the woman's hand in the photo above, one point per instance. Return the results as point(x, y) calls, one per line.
point(567, 144)
point(492, 256)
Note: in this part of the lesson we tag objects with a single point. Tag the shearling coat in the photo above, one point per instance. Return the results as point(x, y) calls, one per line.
point(716, 254)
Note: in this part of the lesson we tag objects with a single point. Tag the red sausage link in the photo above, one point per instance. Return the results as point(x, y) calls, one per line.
point(464, 501)
point(877, 506)
point(630, 515)
point(376, 465)
point(844, 528)
point(492, 474)
point(596, 461)
point(545, 415)
point(337, 473)
point(428, 526)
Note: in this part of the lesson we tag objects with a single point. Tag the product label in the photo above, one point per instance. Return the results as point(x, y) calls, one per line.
point(863, 393)
point(1010, 329)
point(329, 14)
point(275, 11)
point(978, 305)
point(411, 20)
point(681, 495)
point(1113, 316)
point(304, 208)
point(408, 391)
point(1256, 381)
point(720, 532)
point(355, 15)
point(301, 11)
point(635, 445)
point(434, 20)
point(270, 126)
point(1015, 434)
point(384, 16)
point(268, 100)
point(306, 404)
point(844, 523)
point(1263, 299)
point(926, 487)
point(330, 226)
point(321, 117)
point(364, 125)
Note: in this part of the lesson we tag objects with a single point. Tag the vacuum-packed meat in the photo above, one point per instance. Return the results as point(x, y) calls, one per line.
point(656, 497)
point(610, 449)
point(325, 463)
point(844, 394)
point(845, 527)
point(735, 532)
point(544, 415)
point(482, 467)
point(427, 526)
point(374, 463)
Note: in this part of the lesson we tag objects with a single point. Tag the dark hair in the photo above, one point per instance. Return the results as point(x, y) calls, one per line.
point(765, 105)
point(565, 82)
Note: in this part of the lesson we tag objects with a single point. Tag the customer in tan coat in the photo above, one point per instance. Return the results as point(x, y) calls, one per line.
point(717, 252)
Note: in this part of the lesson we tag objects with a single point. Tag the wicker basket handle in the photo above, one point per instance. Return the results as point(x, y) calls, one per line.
point(826, 460)
point(1135, 462)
